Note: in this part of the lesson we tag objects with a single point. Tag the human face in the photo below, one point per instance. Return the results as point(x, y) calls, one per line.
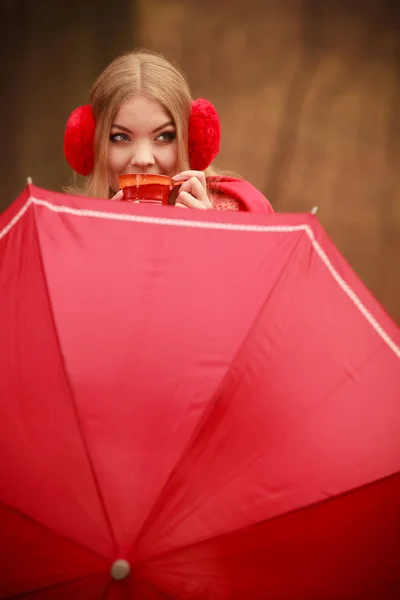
point(142, 140)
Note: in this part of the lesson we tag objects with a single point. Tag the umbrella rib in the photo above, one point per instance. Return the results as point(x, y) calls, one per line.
point(55, 586)
point(51, 530)
point(256, 457)
point(213, 402)
point(258, 524)
point(72, 397)
point(156, 589)
point(107, 591)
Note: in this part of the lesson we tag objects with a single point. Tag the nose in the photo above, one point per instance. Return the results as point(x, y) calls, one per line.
point(142, 155)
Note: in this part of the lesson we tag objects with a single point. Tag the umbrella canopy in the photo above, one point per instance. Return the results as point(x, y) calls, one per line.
point(194, 404)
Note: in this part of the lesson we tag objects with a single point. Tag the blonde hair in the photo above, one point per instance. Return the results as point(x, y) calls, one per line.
point(136, 73)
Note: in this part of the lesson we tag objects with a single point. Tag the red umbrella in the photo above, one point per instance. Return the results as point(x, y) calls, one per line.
point(194, 404)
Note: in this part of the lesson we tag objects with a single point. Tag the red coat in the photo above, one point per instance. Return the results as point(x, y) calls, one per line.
point(232, 193)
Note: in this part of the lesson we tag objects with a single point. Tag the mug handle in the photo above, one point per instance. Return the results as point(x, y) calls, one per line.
point(173, 193)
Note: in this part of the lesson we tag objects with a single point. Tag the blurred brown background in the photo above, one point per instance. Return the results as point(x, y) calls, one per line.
point(308, 92)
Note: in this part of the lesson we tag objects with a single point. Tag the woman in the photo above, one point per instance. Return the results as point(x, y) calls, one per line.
point(142, 119)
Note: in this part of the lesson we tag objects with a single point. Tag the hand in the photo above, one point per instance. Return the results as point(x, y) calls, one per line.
point(119, 196)
point(193, 191)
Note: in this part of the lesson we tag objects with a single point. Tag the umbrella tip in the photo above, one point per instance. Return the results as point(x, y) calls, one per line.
point(29, 180)
point(120, 569)
point(314, 210)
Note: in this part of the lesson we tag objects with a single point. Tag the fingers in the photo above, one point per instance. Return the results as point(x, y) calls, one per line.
point(193, 194)
point(194, 187)
point(119, 196)
point(184, 175)
point(190, 201)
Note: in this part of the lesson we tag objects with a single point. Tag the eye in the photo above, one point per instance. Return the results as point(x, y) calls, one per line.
point(119, 137)
point(166, 136)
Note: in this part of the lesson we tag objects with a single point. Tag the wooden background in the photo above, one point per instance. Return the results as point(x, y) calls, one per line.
point(308, 92)
point(51, 53)
point(309, 97)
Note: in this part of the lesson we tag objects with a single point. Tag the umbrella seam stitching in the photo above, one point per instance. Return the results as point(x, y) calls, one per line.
point(221, 226)
point(233, 227)
point(16, 218)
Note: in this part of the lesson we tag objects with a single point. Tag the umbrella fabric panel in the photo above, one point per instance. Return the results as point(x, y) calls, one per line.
point(33, 557)
point(149, 318)
point(308, 409)
point(45, 471)
point(185, 413)
point(345, 548)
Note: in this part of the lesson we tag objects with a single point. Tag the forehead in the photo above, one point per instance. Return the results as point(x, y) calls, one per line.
point(141, 113)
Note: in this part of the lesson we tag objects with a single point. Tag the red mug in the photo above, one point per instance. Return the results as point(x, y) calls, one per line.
point(147, 187)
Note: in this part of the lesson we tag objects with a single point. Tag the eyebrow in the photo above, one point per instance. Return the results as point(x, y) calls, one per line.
point(163, 126)
point(167, 124)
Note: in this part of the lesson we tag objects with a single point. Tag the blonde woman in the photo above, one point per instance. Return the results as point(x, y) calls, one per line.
point(142, 119)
